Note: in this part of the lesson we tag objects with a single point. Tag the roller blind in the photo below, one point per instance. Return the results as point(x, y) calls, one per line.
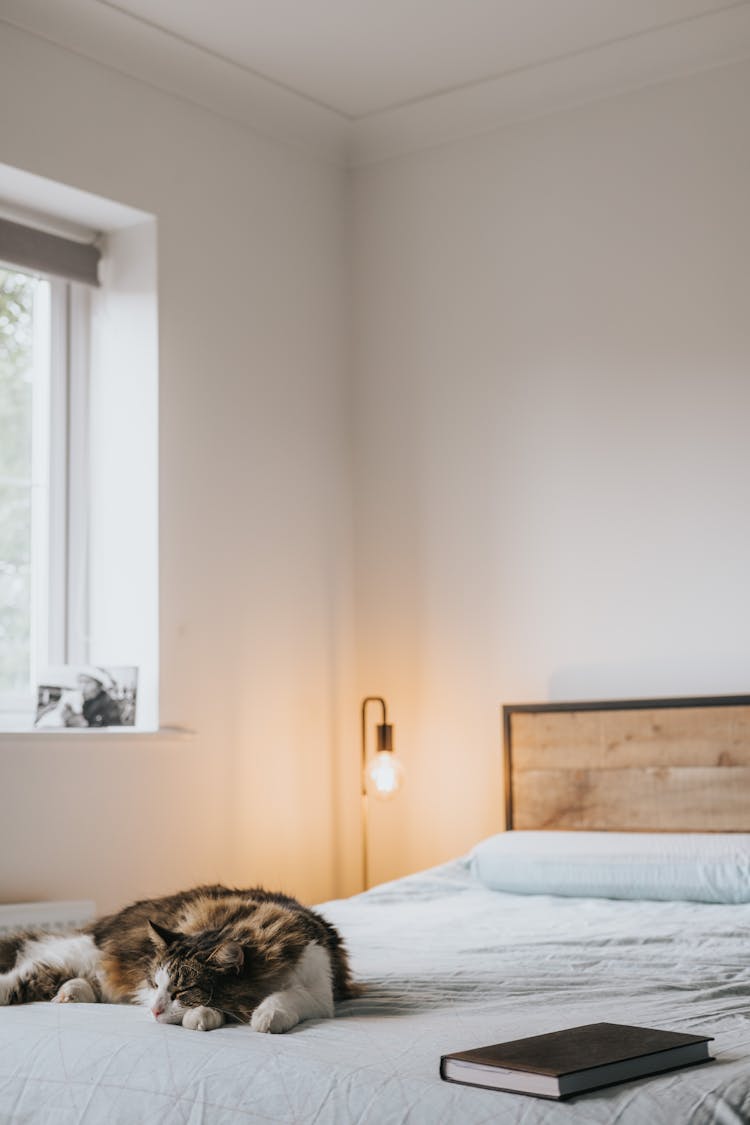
point(48, 253)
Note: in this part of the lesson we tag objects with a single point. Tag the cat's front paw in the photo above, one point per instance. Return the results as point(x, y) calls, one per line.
point(76, 991)
point(202, 1019)
point(273, 1016)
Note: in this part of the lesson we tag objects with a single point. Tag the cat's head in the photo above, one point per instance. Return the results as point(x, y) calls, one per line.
point(189, 971)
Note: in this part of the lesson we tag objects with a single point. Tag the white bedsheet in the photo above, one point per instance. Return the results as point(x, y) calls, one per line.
point(449, 965)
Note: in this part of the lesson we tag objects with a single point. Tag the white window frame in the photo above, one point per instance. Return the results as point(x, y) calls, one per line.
point(103, 545)
point(69, 555)
point(42, 426)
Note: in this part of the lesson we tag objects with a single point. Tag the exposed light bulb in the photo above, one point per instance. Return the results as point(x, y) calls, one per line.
point(385, 775)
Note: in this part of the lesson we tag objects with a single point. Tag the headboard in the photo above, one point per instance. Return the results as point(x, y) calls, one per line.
point(637, 765)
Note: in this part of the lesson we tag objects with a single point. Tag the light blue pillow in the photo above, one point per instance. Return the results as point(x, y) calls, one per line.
point(700, 867)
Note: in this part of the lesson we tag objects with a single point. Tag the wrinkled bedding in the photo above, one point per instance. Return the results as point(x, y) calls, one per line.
point(448, 965)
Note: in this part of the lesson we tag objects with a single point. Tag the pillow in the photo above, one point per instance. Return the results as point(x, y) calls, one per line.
point(701, 867)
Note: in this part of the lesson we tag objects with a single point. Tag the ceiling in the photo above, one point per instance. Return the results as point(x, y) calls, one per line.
point(364, 79)
point(360, 57)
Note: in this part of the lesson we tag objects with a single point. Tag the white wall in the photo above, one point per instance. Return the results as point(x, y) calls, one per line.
point(553, 467)
point(253, 503)
point(549, 403)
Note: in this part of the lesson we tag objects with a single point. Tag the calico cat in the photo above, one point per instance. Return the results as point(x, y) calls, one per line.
point(199, 958)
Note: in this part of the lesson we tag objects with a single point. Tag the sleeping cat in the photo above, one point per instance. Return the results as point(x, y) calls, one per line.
point(199, 958)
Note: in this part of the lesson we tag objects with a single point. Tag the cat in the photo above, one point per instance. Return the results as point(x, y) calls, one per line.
point(199, 958)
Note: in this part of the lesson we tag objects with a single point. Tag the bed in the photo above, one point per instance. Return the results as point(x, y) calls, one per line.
point(451, 962)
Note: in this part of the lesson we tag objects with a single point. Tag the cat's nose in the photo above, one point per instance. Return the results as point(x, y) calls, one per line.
point(156, 1012)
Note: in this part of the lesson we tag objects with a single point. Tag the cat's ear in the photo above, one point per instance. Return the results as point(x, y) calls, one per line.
point(229, 956)
point(161, 936)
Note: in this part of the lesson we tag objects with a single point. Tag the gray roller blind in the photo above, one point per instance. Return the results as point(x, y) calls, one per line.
point(48, 253)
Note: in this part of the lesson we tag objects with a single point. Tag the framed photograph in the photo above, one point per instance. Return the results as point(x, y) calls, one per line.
point(86, 696)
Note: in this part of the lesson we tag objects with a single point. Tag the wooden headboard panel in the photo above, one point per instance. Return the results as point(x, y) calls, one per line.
point(648, 765)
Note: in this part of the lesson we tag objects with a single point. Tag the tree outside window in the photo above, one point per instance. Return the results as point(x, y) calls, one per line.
point(24, 299)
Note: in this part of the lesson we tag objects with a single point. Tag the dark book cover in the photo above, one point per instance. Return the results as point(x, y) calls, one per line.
point(577, 1048)
point(575, 1059)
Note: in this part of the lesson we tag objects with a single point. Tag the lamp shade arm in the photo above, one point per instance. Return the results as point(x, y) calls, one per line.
point(363, 784)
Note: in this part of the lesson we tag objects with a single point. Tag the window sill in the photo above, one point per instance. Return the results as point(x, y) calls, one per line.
point(97, 734)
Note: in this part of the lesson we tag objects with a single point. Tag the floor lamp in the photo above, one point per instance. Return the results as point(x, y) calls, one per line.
point(381, 776)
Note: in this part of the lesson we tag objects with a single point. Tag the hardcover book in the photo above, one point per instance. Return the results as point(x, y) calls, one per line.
point(575, 1060)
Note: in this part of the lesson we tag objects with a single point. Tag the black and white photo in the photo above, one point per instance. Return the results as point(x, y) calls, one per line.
point(87, 695)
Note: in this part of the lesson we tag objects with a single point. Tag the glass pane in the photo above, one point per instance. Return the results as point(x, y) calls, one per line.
point(16, 372)
point(24, 383)
point(15, 588)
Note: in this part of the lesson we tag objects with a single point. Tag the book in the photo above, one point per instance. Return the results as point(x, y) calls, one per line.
point(575, 1060)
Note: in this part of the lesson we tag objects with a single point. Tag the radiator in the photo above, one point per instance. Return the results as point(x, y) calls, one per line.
point(45, 915)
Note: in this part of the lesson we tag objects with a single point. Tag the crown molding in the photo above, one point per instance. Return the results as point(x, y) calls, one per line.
point(671, 52)
point(114, 38)
point(118, 40)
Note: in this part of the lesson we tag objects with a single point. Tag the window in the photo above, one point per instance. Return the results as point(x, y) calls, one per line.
point(25, 387)
point(41, 399)
point(78, 441)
